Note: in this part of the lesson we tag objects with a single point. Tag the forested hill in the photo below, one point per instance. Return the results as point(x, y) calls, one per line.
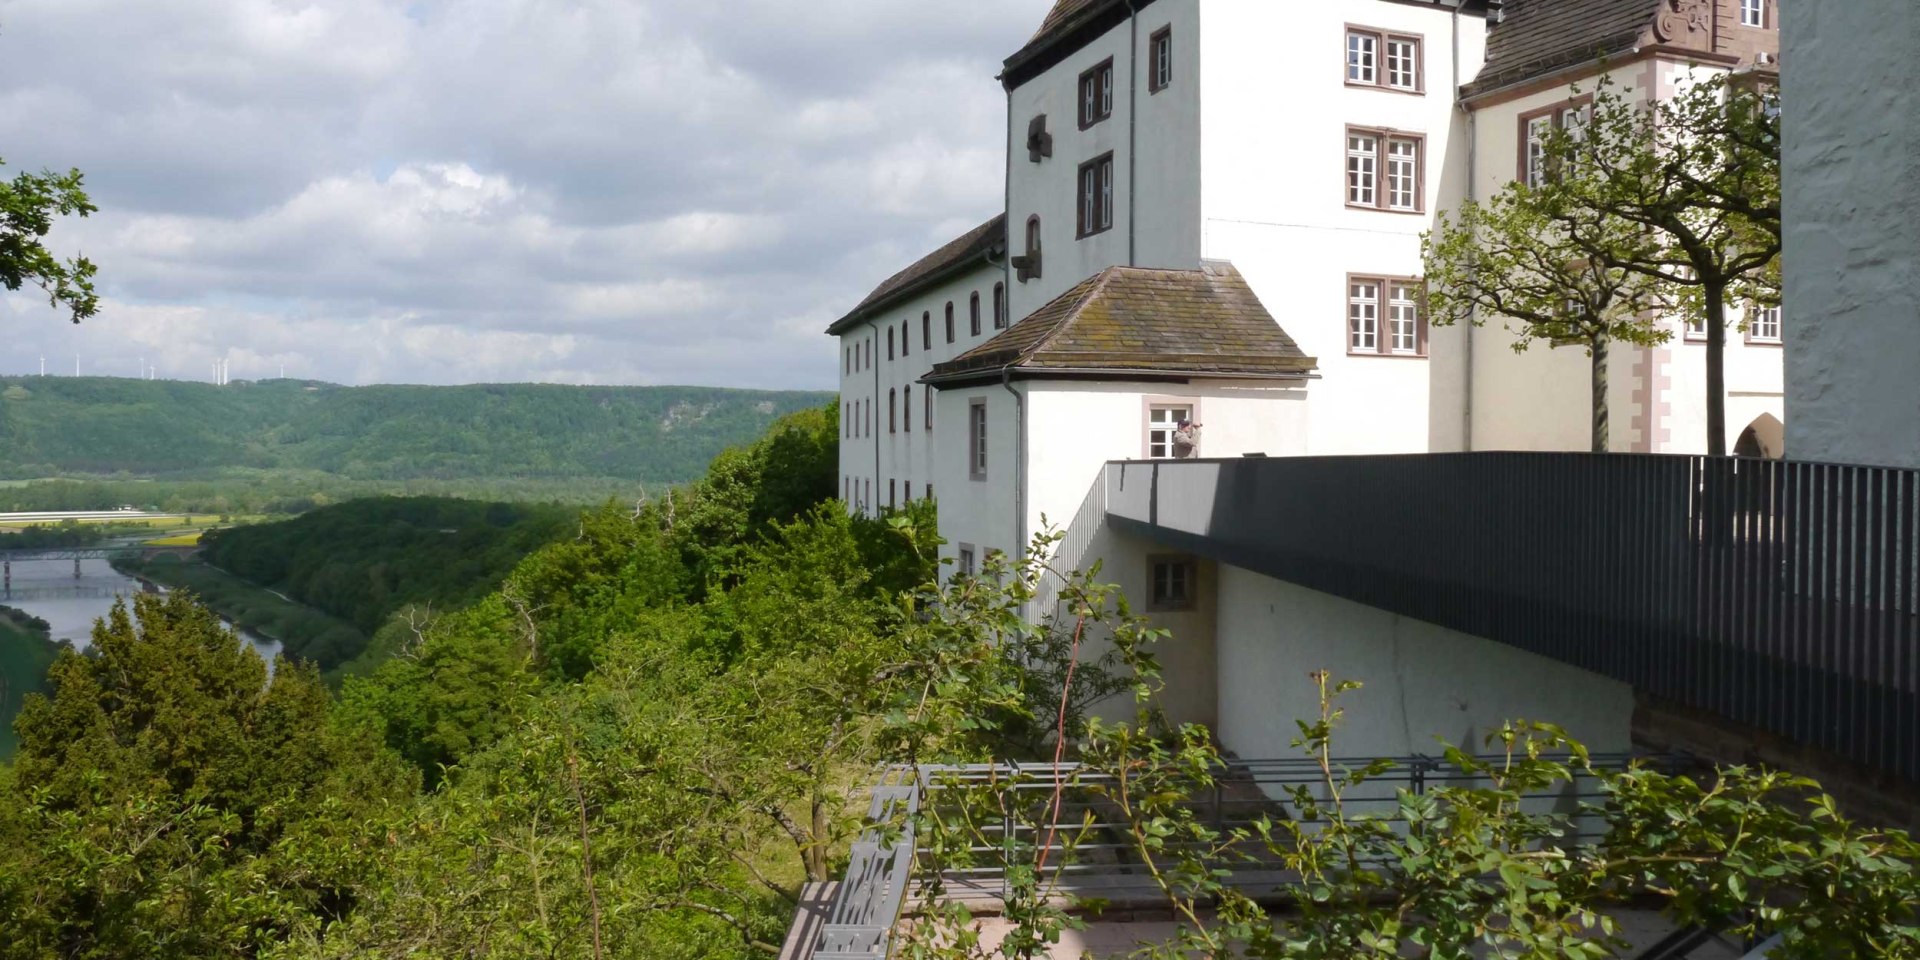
point(67, 426)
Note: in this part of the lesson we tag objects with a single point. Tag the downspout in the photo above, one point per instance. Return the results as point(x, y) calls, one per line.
point(1133, 133)
point(1473, 186)
point(1019, 547)
point(874, 415)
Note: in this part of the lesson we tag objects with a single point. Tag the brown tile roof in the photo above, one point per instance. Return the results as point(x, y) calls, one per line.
point(963, 251)
point(1537, 37)
point(1188, 322)
point(1063, 11)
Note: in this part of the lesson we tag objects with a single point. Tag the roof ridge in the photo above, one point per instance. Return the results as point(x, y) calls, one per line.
point(1105, 277)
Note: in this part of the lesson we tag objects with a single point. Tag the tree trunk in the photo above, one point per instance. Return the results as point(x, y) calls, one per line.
point(1598, 348)
point(1716, 295)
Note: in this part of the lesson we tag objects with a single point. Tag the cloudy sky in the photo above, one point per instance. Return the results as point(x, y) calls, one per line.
point(443, 191)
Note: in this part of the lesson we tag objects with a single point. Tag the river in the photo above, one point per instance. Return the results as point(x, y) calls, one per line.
point(48, 590)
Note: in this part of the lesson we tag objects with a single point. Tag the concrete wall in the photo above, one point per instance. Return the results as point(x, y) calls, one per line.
point(1421, 681)
point(1275, 120)
point(1852, 178)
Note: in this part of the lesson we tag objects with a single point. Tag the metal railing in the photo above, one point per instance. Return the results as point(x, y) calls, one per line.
point(1778, 595)
point(1091, 855)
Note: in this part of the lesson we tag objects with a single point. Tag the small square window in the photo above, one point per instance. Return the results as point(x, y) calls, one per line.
point(1173, 585)
point(1753, 13)
point(1765, 325)
point(1165, 436)
point(1697, 329)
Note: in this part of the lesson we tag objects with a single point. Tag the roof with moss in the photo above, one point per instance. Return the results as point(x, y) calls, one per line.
point(1190, 323)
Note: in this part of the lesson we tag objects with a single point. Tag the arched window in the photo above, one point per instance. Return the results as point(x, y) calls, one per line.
point(929, 402)
point(846, 421)
point(926, 330)
point(906, 339)
point(999, 306)
point(889, 343)
point(973, 315)
point(893, 420)
point(949, 321)
point(1027, 265)
point(906, 407)
point(846, 360)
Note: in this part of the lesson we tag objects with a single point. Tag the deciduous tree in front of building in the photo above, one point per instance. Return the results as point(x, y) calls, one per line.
point(1506, 259)
point(1685, 192)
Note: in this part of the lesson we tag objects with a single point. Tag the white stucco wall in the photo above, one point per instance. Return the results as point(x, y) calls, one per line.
point(1420, 681)
point(1274, 202)
point(1852, 178)
point(905, 455)
point(1163, 174)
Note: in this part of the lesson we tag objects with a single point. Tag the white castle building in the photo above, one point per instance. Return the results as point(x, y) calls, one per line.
point(1214, 213)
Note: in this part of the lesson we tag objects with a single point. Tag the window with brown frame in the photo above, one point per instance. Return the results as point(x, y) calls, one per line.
point(1387, 60)
point(949, 321)
point(1096, 94)
point(1536, 129)
point(926, 329)
point(1384, 317)
point(1096, 196)
point(973, 315)
point(1160, 60)
point(999, 306)
point(1386, 170)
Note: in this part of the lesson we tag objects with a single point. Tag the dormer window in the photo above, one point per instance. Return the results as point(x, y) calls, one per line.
point(1096, 94)
point(1376, 58)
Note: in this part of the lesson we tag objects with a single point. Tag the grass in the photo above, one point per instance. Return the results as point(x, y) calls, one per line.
point(302, 631)
point(179, 540)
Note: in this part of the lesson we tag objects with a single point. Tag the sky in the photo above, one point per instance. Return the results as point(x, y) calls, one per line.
point(419, 191)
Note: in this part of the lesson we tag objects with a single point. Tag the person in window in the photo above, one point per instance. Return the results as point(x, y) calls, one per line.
point(1186, 439)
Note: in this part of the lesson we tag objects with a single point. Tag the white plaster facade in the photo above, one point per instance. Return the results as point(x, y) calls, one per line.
point(1242, 158)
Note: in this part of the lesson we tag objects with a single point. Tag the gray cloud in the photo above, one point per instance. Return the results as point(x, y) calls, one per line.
point(605, 191)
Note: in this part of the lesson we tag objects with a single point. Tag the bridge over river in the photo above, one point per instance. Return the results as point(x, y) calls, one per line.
point(125, 551)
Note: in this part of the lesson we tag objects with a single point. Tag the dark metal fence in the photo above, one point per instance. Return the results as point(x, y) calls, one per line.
point(1779, 595)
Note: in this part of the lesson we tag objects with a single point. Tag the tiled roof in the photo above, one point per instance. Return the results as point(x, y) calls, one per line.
point(1063, 10)
point(1536, 37)
point(1189, 322)
point(970, 247)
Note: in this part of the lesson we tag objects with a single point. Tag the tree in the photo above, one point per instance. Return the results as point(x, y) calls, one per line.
point(1685, 192)
point(169, 800)
point(1506, 258)
point(28, 206)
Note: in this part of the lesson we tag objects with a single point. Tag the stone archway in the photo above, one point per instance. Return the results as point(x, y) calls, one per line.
point(1764, 438)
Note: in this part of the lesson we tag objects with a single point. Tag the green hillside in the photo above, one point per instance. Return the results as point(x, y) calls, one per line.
point(546, 434)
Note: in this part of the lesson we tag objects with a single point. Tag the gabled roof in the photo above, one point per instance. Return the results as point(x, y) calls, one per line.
point(1536, 37)
point(1189, 323)
point(1063, 11)
point(963, 252)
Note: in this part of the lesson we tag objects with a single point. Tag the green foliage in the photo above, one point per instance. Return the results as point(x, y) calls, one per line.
point(66, 533)
point(1685, 194)
point(26, 652)
point(299, 437)
point(28, 207)
point(365, 559)
point(170, 800)
point(303, 632)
